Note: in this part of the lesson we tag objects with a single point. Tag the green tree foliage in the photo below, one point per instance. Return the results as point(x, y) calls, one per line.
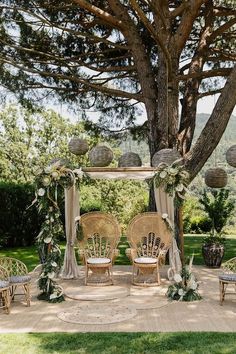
point(219, 208)
point(30, 140)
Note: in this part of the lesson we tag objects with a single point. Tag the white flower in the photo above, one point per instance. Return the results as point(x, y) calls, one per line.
point(173, 171)
point(54, 264)
point(55, 175)
point(41, 192)
point(179, 187)
point(177, 278)
point(46, 181)
point(51, 219)
point(53, 296)
point(181, 292)
point(47, 240)
point(163, 174)
point(164, 216)
point(51, 275)
point(48, 169)
point(193, 285)
point(78, 172)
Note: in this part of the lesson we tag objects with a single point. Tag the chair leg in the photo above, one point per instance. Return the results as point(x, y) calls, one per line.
point(158, 276)
point(5, 300)
point(12, 292)
point(221, 292)
point(223, 287)
point(133, 273)
point(110, 270)
point(26, 288)
point(86, 274)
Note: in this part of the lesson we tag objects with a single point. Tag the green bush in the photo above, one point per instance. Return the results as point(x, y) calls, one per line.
point(197, 224)
point(194, 218)
point(18, 225)
point(219, 207)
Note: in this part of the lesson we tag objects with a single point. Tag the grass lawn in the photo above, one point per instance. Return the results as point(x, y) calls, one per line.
point(119, 343)
point(192, 244)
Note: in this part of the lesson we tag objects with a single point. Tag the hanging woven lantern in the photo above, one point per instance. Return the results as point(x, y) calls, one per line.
point(78, 146)
point(231, 156)
point(100, 156)
point(216, 177)
point(129, 159)
point(167, 156)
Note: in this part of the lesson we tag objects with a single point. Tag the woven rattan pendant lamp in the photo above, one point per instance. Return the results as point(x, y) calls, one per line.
point(231, 156)
point(216, 177)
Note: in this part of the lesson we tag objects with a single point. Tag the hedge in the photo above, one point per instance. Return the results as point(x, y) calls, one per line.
point(19, 226)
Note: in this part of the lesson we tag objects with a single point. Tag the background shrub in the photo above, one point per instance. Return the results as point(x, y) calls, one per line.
point(18, 225)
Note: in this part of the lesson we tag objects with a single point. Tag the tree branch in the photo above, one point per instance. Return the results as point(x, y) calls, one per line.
point(214, 128)
point(105, 16)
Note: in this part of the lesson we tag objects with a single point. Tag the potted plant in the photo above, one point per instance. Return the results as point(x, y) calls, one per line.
point(219, 207)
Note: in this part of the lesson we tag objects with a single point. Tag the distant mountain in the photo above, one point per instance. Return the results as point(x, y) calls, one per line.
point(218, 156)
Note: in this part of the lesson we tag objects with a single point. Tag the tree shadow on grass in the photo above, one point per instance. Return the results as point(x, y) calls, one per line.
point(137, 343)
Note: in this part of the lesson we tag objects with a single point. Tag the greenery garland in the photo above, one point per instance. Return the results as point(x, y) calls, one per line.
point(185, 287)
point(48, 183)
point(174, 179)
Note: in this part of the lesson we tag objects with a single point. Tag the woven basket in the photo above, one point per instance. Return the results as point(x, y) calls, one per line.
point(100, 156)
point(129, 159)
point(78, 146)
point(231, 156)
point(167, 156)
point(216, 177)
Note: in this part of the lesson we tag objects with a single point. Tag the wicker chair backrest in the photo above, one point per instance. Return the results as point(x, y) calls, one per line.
point(13, 266)
point(100, 232)
point(229, 266)
point(4, 274)
point(149, 234)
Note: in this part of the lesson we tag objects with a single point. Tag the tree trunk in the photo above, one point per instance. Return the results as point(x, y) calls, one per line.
point(214, 128)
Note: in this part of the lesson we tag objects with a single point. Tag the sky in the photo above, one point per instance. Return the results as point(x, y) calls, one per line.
point(205, 105)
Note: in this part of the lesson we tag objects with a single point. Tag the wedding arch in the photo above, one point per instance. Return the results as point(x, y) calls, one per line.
point(170, 184)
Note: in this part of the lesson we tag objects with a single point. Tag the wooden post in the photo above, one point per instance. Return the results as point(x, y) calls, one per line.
point(181, 234)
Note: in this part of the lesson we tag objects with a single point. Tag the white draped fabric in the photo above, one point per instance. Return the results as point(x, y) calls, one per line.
point(165, 205)
point(134, 173)
point(72, 210)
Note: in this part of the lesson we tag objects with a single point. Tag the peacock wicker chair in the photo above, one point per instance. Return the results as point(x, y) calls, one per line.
point(150, 239)
point(18, 277)
point(5, 298)
point(100, 234)
point(227, 277)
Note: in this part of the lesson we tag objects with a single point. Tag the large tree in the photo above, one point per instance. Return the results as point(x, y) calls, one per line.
point(114, 55)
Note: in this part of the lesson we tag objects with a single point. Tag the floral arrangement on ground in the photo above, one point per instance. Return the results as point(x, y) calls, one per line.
point(174, 179)
point(185, 287)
